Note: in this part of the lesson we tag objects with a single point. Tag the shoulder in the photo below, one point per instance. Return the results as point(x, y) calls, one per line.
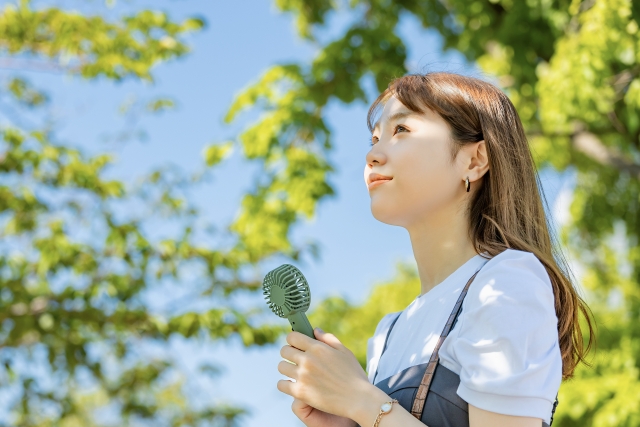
point(511, 275)
point(379, 336)
point(505, 345)
point(511, 296)
point(513, 261)
point(375, 342)
point(385, 322)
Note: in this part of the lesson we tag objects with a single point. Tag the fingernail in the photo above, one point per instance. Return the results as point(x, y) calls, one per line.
point(319, 330)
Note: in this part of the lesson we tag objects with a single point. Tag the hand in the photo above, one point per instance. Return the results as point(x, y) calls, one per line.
point(312, 417)
point(327, 375)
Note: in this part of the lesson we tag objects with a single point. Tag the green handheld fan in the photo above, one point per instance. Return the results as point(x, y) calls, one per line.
point(288, 295)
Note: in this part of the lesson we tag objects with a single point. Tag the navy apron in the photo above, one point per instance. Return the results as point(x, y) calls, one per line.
point(428, 390)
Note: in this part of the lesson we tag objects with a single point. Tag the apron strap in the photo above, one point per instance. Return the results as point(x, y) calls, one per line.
point(421, 395)
point(386, 341)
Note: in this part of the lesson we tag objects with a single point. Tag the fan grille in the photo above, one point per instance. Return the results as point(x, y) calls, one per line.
point(297, 295)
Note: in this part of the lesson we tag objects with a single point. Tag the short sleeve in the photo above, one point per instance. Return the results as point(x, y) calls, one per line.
point(506, 339)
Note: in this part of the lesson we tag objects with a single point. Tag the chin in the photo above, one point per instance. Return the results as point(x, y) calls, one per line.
point(386, 213)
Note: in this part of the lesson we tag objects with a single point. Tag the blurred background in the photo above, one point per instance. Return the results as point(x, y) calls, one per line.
point(157, 158)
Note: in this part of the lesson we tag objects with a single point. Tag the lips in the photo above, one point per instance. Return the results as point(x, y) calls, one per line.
point(375, 179)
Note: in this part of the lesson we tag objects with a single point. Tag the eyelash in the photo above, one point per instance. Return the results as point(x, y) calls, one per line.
point(396, 128)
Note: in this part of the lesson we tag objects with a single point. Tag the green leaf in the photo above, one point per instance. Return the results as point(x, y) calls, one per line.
point(215, 153)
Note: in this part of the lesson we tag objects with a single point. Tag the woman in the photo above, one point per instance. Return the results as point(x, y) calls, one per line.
point(496, 315)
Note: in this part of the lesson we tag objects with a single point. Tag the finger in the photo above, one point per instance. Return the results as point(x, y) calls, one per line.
point(286, 386)
point(286, 368)
point(301, 408)
point(299, 340)
point(329, 339)
point(298, 404)
point(292, 354)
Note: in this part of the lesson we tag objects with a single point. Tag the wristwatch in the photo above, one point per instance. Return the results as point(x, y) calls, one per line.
point(385, 408)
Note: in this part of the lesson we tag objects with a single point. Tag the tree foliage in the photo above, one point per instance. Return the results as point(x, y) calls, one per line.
point(80, 255)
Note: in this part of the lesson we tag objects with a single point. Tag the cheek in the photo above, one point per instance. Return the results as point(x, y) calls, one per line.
point(423, 182)
point(420, 171)
point(424, 173)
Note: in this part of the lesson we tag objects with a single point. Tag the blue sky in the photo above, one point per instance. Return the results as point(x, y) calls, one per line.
point(241, 40)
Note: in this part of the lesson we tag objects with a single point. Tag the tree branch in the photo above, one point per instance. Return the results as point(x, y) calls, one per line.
point(588, 144)
point(34, 65)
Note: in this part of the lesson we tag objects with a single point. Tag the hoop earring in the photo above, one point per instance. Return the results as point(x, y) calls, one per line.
point(468, 184)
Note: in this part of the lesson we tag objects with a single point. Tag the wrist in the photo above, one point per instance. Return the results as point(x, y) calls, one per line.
point(367, 407)
point(348, 422)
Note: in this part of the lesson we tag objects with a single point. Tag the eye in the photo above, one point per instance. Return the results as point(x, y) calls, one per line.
point(400, 127)
point(373, 140)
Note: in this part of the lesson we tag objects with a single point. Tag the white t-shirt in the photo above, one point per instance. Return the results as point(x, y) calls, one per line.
point(504, 345)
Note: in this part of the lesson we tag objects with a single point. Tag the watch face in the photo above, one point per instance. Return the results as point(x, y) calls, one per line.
point(386, 407)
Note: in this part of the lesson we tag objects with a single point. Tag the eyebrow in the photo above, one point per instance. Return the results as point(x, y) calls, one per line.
point(396, 116)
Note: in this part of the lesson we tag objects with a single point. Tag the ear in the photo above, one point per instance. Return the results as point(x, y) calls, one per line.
point(476, 160)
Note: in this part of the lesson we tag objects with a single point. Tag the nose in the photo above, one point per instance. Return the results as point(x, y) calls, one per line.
point(376, 156)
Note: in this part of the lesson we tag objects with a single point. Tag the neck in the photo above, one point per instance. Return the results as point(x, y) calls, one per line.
point(441, 244)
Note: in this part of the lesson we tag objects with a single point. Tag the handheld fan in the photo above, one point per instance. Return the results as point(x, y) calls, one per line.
point(288, 295)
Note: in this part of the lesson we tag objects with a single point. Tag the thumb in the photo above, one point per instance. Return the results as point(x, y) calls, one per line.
point(328, 338)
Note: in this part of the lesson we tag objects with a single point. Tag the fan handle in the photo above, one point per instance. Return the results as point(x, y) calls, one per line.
point(300, 323)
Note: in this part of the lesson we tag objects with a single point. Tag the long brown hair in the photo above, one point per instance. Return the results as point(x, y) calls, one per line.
point(507, 209)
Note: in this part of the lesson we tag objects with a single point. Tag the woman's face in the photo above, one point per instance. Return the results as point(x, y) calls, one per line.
point(413, 150)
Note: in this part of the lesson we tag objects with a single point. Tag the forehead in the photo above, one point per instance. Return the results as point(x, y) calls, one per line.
point(393, 105)
point(394, 110)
